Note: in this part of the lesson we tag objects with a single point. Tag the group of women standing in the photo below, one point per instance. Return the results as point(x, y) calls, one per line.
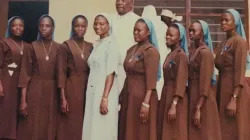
point(69, 90)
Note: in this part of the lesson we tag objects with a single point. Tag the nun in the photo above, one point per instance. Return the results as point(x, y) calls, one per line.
point(39, 98)
point(101, 110)
point(173, 109)
point(73, 77)
point(138, 99)
point(12, 49)
point(233, 91)
point(202, 81)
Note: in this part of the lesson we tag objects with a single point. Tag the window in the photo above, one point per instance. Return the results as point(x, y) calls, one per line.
point(191, 10)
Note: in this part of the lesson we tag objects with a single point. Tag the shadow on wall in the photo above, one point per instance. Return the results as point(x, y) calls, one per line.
point(30, 12)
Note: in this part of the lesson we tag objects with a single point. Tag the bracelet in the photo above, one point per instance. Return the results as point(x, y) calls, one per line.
point(145, 105)
point(175, 102)
point(198, 107)
point(105, 99)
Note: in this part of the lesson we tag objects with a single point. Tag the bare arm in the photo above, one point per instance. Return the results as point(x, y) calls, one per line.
point(108, 85)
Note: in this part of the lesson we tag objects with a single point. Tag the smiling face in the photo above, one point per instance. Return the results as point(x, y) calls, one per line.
point(172, 36)
point(227, 22)
point(46, 27)
point(17, 27)
point(195, 31)
point(123, 6)
point(141, 31)
point(79, 26)
point(101, 26)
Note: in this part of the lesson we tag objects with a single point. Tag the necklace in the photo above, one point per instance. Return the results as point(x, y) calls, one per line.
point(170, 57)
point(47, 53)
point(81, 50)
point(21, 48)
point(134, 52)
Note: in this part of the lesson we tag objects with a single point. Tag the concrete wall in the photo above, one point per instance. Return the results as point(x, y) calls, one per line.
point(64, 10)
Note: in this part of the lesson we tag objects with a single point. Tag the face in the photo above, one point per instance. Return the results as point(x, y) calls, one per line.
point(17, 27)
point(79, 27)
point(166, 20)
point(101, 26)
point(46, 27)
point(141, 31)
point(123, 6)
point(227, 22)
point(172, 36)
point(195, 31)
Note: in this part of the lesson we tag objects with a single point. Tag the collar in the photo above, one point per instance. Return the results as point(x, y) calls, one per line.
point(124, 16)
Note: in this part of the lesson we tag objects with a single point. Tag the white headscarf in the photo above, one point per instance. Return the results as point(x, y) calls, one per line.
point(109, 21)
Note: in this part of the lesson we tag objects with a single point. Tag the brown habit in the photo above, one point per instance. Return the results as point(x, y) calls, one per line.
point(175, 71)
point(39, 77)
point(231, 64)
point(201, 69)
point(73, 76)
point(141, 76)
point(9, 53)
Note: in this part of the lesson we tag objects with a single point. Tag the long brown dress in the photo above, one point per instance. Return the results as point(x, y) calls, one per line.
point(201, 69)
point(175, 71)
point(10, 63)
point(141, 76)
point(39, 77)
point(73, 76)
point(231, 64)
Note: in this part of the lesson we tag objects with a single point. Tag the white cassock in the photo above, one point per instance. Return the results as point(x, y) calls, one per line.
point(149, 12)
point(122, 30)
point(161, 30)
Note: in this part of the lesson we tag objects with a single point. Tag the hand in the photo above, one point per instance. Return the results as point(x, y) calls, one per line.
point(64, 106)
point(1, 91)
point(104, 107)
point(172, 113)
point(231, 107)
point(144, 114)
point(23, 109)
point(197, 118)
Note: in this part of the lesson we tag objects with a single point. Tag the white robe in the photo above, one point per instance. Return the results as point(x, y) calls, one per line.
point(102, 62)
point(161, 30)
point(122, 31)
point(149, 12)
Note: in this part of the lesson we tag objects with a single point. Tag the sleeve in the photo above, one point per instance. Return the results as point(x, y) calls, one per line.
point(2, 52)
point(151, 63)
point(240, 56)
point(26, 67)
point(62, 65)
point(181, 74)
point(206, 72)
point(112, 58)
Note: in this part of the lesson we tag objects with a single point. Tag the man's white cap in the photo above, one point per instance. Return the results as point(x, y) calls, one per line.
point(168, 13)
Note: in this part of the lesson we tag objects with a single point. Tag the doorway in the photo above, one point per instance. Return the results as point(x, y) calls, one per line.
point(30, 11)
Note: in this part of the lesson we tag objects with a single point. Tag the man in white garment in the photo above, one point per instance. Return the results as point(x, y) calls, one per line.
point(150, 13)
point(123, 26)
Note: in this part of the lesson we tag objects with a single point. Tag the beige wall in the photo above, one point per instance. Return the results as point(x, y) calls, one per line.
point(59, 10)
